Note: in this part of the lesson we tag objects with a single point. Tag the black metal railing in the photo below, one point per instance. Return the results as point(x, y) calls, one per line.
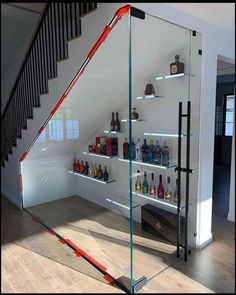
point(59, 23)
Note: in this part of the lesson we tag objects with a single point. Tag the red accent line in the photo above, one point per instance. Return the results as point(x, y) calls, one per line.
point(37, 219)
point(23, 156)
point(51, 232)
point(58, 104)
point(77, 254)
point(21, 185)
point(84, 254)
point(109, 279)
point(122, 11)
point(76, 79)
point(41, 130)
point(62, 241)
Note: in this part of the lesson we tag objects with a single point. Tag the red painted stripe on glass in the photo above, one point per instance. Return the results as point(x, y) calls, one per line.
point(23, 156)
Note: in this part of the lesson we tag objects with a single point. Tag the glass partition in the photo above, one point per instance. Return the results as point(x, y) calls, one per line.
point(103, 175)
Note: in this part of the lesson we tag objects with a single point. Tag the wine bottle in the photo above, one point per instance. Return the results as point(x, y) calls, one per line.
point(153, 186)
point(138, 184)
point(151, 151)
point(138, 154)
point(132, 150)
point(157, 153)
point(145, 151)
point(126, 149)
point(81, 169)
point(112, 127)
point(105, 174)
point(176, 67)
point(95, 171)
point(74, 165)
point(160, 190)
point(100, 172)
point(86, 170)
point(78, 166)
point(117, 123)
point(165, 154)
point(145, 187)
point(175, 196)
point(168, 194)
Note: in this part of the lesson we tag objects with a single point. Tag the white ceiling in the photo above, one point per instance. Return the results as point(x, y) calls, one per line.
point(218, 14)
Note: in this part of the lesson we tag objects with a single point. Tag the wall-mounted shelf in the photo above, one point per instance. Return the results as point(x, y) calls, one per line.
point(174, 76)
point(163, 134)
point(137, 120)
point(98, 155)
point(149, 97)
point(122, 201)
point(91, 178)
point(171, 165)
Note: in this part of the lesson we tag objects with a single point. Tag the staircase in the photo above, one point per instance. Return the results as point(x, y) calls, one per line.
point(59, 24)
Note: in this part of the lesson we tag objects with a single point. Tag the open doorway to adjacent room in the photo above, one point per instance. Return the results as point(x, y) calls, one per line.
point(223, 194)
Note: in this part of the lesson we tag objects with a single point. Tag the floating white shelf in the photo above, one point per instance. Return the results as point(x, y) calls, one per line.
point(138, 120)
point(113, 132)
point(122, 202)
point(149, 97)
point(149, 164)
point(91, 178)
point(163, 134)
point(174, 76)
point(98, 155)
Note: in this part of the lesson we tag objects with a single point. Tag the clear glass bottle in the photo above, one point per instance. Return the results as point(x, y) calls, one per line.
point(153, 186)
point(138, 184)
point(90, 171)
point(160, 189)
point(175, 196)
point(151, 151)
point(126, 149)
point(138, 154)
point(165, 154)
point(145, 187)
point(168, 194)
point(145, 151)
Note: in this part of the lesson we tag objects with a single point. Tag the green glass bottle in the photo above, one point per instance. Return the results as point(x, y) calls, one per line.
point(145, 187)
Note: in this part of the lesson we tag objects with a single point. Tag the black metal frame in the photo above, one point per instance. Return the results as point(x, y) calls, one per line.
point(186, 170)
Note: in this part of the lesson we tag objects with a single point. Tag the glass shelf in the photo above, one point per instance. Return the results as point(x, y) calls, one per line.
point(149, 97)
point(137, 120)
point(121, 199)
point(113, 132)
point(159, 201)
point(174, 76)
point(172, 165)
point(98, 155)
point(91, 178)
point(163, 134)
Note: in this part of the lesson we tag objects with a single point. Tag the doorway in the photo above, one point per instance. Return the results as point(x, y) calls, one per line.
point(224, 121)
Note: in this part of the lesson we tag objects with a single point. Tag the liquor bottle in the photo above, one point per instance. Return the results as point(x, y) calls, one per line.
point(95, 171)
point(138, 153)
point(78, 166)
point(117, 123)
point(145, 184)
point(168, 194)
point(149, 89)
point(134, 114)
point(86, 169)
point(151, 151)
point(160, 190)
point(138, 184)
point(165, 154)
point(81, 169)
point(105, 174)
point(126, 149)
point(176, 67)
point(74, 165)
point(90, 171)
point(112, 127)
point(157, 153)
point(145, 151)
point(100, 172)
point(132, 150)
point(152, 187)
point(175, 196)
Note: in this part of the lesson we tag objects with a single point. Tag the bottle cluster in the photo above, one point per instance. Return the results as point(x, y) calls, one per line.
point(148, 153)
point(115, 123)
point(92, 170)
point(156, 191)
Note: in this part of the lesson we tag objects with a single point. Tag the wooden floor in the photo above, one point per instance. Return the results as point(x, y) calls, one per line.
point(57, 269)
